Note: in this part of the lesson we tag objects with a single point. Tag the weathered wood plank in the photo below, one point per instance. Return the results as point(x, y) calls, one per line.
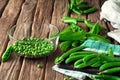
point(8, 19)
point(3, 3)
point(42, 15)
point(60, 10)
point(11, 72)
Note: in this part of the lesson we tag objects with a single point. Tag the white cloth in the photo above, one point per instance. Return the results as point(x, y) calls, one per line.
point(115, 34)
point(110, 11)
point(75, 74)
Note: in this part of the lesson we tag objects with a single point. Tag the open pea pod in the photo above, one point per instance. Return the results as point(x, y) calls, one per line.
point(73, 36)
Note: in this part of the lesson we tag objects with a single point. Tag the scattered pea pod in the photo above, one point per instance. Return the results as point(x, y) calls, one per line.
point(90, 10)
point(80, 7)
point(90, 25)
point(7, 53)
point(67, 19)
point(77, 11)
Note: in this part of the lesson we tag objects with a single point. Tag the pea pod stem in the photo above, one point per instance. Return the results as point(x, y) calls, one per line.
point(111, 53)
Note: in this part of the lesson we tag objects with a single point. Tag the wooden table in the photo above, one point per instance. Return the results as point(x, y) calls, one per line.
point(32, 14)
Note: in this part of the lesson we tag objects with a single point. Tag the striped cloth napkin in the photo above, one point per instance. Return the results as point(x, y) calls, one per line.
point(99, 46)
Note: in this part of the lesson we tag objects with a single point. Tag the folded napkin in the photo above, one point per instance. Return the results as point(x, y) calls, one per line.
point(75, 74)
point(98, 46)
point(115, 35)
point(110, 11)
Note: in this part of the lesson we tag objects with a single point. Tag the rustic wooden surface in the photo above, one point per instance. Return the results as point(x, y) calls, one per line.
point(32, 14)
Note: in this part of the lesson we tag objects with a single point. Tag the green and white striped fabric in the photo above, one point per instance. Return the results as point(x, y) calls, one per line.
point(99, 46)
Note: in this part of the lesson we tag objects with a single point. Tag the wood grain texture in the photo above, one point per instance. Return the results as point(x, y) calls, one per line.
point(60, 5)
point(23, 22)
point(3, 3)
point(8, 19)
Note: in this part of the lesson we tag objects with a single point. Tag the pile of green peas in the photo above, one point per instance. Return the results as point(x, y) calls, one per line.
point(33, 47)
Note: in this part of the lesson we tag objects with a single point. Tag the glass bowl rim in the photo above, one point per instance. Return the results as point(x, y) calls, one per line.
point(14, 26)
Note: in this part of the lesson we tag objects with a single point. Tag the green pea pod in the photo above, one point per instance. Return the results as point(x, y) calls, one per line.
point(80, 66)
point(83, 6)
point(89, 57)
point(81, 35)
point(92, 61)
point(73, 58)
point(109, 65)
point(92, 25)
point(107, 58)
point(70, 21)
point(71, 18)
point(97, 37)
point(7, 53)
point(107, 77)
point(73, 3)
point(65, 45)
point(65, 55)
point(83, 53)
point(90, 10)
point(97, 64)
point(80, 2)
point(95, 29)
point(75, 43)
point(78, 62)
point(66, 30)
point(77, 11)
point(110, 71)
point(75, 28)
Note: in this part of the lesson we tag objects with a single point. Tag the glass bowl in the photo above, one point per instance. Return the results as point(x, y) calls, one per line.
point(34, 44)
